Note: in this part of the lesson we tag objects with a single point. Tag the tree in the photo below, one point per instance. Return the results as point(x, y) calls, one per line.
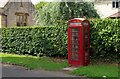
point(55, 12)
point(40, 5)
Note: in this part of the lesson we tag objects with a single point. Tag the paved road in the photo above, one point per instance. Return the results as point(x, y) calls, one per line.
point(18, 71)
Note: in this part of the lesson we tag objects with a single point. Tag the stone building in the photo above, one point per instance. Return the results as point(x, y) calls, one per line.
point(17, 13)
point(107, 8)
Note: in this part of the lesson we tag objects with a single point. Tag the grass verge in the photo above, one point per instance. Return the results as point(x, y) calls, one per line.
point(99, 70)
point(33, 62)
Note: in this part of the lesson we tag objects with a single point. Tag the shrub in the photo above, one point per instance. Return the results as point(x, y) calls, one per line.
point(48, 41)
point(53, 41)
point(105, 37)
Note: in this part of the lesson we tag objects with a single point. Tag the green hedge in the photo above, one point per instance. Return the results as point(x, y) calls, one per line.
point(105, 38)
point(52, 41)
point(41, 41)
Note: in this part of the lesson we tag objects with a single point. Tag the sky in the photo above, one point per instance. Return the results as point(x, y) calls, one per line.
point(2, 2)
point(36, 1)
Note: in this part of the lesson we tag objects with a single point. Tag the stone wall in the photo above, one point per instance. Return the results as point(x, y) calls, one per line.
point(3, 21)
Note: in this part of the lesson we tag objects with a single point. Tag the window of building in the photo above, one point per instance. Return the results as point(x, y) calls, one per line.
point(22, 20)
point(116, 4)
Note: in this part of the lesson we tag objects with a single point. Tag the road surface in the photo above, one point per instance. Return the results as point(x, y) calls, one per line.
point(19, 71)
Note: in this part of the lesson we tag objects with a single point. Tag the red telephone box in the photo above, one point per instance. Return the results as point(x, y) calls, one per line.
point(78, 42)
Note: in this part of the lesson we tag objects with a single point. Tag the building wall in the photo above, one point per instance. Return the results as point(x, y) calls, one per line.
point(104, 9)
point(3, 21)
point(0, 21)
point(11, 8)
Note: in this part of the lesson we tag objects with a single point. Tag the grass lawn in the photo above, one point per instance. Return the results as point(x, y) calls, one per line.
point(33, 62)
point(97, 70)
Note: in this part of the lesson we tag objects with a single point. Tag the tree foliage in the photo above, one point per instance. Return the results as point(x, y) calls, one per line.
point(40, 5)
point(55, 12)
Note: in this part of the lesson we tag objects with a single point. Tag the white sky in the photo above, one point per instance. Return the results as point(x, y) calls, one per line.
point(2, 2)
point(36, 1)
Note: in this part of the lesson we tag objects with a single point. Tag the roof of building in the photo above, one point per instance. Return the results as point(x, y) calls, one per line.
point(115, 15)
point(22, 10)
point(4, 2)
point(1, 10)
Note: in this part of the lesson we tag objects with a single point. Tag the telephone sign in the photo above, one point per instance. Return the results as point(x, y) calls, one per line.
point(75, 23)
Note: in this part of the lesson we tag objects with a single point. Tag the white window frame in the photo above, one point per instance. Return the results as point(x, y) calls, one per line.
point(115, 3)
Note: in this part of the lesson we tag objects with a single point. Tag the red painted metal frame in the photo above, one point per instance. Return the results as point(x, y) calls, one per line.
point(88, 27)
point(81, 53)
point(73, 62)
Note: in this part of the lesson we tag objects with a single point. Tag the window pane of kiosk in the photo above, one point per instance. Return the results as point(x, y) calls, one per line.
point(74, 38)
point(86, 58)
point(86, 30)
point(75, 42)
point(74, 46)
point(86, 41)
point(74, 34)
point(86, 53)
point(74, 29)
point(86, 37)
point(74, 54)
point(86, 49)
point(74, 58)
point(74, 50)
point(86, 44)
point(86, 34)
